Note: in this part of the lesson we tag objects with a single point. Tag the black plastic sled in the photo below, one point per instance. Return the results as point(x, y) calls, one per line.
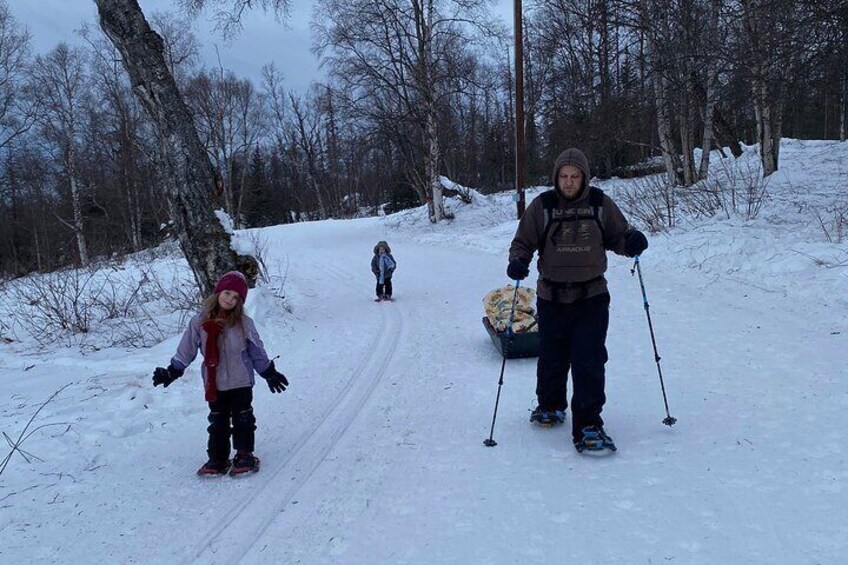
point(516, 345)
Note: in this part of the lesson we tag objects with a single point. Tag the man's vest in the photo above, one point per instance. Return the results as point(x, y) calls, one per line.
point(549, 204)
point(554, 225)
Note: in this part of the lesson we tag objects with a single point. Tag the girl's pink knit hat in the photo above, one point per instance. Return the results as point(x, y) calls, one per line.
point(234, 281)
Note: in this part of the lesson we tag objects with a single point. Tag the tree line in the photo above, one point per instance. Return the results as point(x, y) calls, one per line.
point(98, 149)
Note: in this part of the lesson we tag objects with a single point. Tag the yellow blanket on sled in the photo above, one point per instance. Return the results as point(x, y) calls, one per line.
point(498, 305)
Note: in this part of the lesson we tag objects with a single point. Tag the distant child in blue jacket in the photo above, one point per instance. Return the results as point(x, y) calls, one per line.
point(383, 266)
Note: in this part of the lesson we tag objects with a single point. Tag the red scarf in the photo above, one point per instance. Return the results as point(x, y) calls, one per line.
point(210, 356)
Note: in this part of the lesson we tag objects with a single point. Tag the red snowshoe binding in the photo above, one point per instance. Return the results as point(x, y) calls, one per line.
point(214, 467)
point(244, 463)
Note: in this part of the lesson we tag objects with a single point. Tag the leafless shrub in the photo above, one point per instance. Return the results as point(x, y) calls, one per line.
point(736, 187)
point(703, 199)
point(117, 298)
point(140, 330)
point(277, 280)
point(833, 221)
point(53, 306)
point(107, 307)
point(651, 202)
point(179, 292)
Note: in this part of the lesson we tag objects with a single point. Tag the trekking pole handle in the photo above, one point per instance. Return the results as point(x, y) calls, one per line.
point(512, 311)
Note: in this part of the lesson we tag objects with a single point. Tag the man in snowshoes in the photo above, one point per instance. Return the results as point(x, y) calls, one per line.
point(571, 228)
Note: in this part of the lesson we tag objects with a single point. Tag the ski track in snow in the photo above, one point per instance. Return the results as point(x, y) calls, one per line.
point(256, 512)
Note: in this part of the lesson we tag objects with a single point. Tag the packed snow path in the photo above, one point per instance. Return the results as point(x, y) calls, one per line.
point(375, 455)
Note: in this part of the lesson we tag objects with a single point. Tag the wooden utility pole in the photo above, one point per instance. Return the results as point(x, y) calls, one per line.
point(520, 156)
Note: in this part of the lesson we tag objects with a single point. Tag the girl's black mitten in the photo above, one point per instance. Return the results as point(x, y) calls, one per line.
point(277, 381)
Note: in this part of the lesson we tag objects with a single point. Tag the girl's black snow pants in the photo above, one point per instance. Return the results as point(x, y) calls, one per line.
point(231, 414)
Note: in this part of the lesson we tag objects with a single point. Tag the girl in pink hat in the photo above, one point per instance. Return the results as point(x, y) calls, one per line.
point(232, 350)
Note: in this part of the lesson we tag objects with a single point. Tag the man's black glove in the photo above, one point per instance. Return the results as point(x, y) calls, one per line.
point(277, 381)
point(518, 269)
point(635, 243)
point(163, 376)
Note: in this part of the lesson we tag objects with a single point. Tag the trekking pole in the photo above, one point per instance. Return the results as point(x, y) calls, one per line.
point(489, 442)
point(669, 420)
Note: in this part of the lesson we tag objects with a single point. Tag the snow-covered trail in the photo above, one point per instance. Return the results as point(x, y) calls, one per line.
point(375, 455)
point(410, 482)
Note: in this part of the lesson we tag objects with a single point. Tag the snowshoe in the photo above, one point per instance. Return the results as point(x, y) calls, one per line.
point(244, 463)
point(388, 298)
point(378, 299)
point(547, 418)
point(594, 438)
point(214, 467)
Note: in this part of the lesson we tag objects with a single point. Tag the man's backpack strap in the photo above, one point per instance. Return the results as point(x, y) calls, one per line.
point(549, 203)
point(596, 201)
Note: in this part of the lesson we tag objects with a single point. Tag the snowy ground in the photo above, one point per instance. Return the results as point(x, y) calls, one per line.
point(375, 455)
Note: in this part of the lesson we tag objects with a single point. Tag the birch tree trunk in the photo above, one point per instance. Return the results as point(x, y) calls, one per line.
point(135, 214)
point(188, 176)
point(76, 204)
point(686, 121)
point(766, 76)
point(709, 94)
point(242, 184)
point(435, 200)
point(843, 109)
point(709, 136)
point(38, 260)
point(767, 112)
point(436, 204)
point(249, 135)
point(661, 97)
point(686, 96)
point(130, 184)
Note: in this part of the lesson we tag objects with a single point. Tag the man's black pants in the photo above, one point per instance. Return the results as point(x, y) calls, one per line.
point(573, 336)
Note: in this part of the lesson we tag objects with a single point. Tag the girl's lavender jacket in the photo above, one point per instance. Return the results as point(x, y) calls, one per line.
point(240, 352)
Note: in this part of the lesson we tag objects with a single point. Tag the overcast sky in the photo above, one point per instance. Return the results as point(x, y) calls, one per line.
point(262, 41)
